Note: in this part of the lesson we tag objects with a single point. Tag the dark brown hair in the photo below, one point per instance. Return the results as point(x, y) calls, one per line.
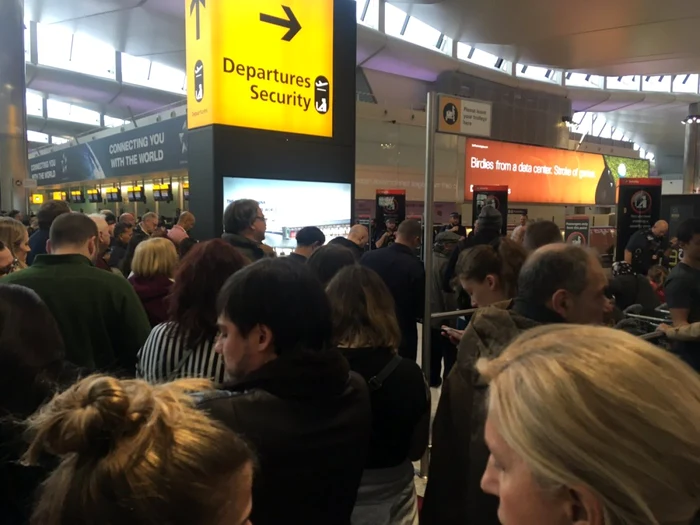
point(72, 229)
point(198, 280)
point(540, 233)
point(503, 258)
point(363, 310)
point(31, 359)
point(133, 453)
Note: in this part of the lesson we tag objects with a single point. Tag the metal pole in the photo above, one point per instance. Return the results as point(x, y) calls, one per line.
point(431, 121)
point(13, 110)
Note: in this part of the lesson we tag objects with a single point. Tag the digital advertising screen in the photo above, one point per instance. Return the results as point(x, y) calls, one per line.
point(186, 191)
point(548, 175)
point(291, 205)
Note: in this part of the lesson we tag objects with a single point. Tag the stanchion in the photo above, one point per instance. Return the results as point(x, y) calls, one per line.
point(431, 122)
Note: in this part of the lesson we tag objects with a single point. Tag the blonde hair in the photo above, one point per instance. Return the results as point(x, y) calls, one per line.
point(154, 257)
point(133, 453)
point(12, 234)
point(600, 408)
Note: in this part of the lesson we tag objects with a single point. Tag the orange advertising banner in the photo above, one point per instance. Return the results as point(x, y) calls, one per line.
point(546, 175)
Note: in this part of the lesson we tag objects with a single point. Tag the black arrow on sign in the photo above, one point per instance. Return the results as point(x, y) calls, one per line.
point(195, 5)
point(290, 22)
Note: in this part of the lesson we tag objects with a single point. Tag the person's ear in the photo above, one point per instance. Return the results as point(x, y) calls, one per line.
point(92, 246)
point(492, 281)
point(48, 246)
point(265, 339)
point(561, 302)
point(584, 507)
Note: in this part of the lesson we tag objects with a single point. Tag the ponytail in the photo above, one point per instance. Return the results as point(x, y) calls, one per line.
point(502, 257)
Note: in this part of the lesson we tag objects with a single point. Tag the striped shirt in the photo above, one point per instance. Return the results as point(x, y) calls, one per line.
point(166, 348)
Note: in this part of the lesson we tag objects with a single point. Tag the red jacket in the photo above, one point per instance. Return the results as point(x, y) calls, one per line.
point(153, 292)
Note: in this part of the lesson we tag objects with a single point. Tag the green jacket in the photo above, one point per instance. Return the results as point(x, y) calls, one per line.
point(102, 321)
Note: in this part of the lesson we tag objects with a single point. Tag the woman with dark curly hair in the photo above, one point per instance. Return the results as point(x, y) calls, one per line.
point(184, 345)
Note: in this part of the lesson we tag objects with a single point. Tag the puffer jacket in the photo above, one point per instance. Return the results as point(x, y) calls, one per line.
point(459, 453)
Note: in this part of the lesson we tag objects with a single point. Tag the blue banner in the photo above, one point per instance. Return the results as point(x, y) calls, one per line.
point(154, 148)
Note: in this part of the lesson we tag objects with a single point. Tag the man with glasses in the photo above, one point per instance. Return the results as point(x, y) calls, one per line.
point(244, 229)
point(8, 263)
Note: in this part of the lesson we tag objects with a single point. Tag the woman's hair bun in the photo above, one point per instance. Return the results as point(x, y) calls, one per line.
point(88, 418)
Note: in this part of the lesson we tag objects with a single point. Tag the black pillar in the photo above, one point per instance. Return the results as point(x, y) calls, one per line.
point(13, 111)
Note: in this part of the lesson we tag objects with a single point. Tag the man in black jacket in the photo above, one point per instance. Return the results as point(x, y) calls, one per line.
point(356, 241)
point(404, 274)
point(292, 397)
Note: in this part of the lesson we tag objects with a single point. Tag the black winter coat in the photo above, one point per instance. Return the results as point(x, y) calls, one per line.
point(308, 418)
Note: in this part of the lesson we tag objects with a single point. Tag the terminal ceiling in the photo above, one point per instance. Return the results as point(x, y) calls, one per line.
point(611, 38)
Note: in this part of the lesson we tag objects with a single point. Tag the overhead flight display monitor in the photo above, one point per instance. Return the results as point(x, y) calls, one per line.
point(77, 196)
point(114, 194)
point(162, 193)
point(136, 194)
point(94, 196)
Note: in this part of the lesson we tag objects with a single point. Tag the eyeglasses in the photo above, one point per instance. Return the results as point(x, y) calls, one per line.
point(261, 219)
point(7, 270)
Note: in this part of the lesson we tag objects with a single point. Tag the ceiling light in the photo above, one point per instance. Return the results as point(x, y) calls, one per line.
point(691, 119)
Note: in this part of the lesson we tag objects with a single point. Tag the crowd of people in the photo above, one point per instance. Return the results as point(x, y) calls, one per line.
point(203, 383)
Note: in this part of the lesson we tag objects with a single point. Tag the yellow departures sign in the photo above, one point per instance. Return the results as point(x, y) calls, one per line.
point(261, 64)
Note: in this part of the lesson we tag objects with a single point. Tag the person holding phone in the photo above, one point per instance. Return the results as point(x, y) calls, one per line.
point(489, 274)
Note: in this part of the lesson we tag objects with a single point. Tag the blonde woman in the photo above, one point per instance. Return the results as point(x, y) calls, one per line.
point(592, 426)
point(153, 267)
point(14, 235)
point(132, 453)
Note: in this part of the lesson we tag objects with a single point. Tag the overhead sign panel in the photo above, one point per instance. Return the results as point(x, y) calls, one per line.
point(262, 65)
point(464, 116)
point(148, 149)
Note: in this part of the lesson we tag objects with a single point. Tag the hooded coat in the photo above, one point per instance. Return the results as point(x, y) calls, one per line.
point(453, 495)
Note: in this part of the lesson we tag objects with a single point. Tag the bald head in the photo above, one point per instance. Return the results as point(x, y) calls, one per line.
point(566, 279)
point(359, 234)
point(103, 234)
point(127, 218)
point(186, 220)
point(660, 229)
